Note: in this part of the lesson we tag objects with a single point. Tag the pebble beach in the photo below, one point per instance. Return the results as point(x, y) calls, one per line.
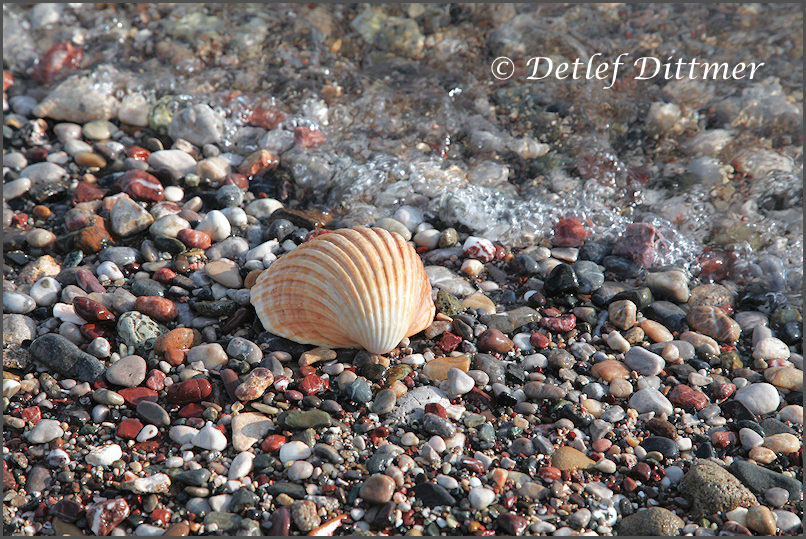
point(616, 273)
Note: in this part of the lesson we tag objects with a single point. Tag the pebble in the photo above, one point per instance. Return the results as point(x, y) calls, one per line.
point(294, 451)
point(377, 489)
point(129, 371)
point(45, 431)
point(104, 455)
point(761, 398)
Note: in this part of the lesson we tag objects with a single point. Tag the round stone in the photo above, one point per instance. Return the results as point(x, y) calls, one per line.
point(294, 450)
point(378, 489)
point(128, 371)
point(761, 398)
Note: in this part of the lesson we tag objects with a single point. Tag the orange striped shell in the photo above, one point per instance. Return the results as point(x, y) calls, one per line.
point(350, 288)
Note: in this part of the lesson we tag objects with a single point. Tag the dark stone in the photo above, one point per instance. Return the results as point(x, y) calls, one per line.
point(594, 251)
point(66, 358)
point(214, 309)
point(759, 479)
point(279, 523)
point(705, 451)
point(771, 426)
point(604, 295)
point(735, 410)
point(196, 478)
point(664, 446)
point(493, 367)
point(524, 264)
point(642, 297)
point(147, 287)
point(279, 229)
point(295, 490)
point(432, 495)
point(561, 280)
point(666, 313)
point(243, 499)
point(622, 268)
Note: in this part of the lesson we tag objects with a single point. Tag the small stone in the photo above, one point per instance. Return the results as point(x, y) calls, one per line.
point(478, 248)
point(760, 398)
point(650, 400)
point(713, 322)
point(671, 285)
point(209, 437)
point(783, 443)
point(493, 340)
point(622, 313)
point(294, 450)
point(44, 431)
point(761, 520)
point(610, 370)
point(481, 498)
point(255, 384)
point(437, 369)
point(104, 455)
point(566, 458)
point(128, 371)
point(248, 428)
point(378, 489)
point(225, 272)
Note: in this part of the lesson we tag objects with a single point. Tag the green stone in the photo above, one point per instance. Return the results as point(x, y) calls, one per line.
point(448, 304)
point(448, 238)
point(472, 420)
point(730, 360)
point(487, 433)
point(397, 372)
point(305, 419)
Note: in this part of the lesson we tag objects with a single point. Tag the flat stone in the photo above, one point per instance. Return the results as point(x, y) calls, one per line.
point(128, 371)
point(655, 521)
point(566, 458)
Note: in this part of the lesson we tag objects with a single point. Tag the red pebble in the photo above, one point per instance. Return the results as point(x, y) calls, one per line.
point(133, 395)
point(156, 380)
point(563, 323)
point(437, 409)
point(449, 341)
point(273, 443)
point(93, 331)
point(723, 391)
point(539, 340)
point(161, 309)
point(89, 282)
point(305, 370)
point(137, 152)
point(59, 59)
point(629, 484)
point(32, 414)
point(8, 80)
point(642, 471)
point(87, 192)
point(313, 384)
point(305, 137)
point(194, 238)
point(723, 439)
point(160, 515)
point(686, 397)
point(294, 395)
point(164, 275)
point(193, 409)
point(569, 232)
point(549, 474)
point(601, 445)
point(266, 117)
point(141, 185)
point(189, 391)
point(128, 429)
point(92, 311)
point(237, 179)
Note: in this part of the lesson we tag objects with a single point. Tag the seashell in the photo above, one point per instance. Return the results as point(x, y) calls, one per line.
point(350, 288)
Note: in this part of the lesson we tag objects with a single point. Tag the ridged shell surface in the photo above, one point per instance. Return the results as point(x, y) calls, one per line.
point(350, 288)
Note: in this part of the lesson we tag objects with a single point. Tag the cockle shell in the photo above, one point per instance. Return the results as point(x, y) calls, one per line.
point(350, 288)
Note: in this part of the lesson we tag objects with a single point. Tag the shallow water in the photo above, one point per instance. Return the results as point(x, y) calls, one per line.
point(413, 115)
